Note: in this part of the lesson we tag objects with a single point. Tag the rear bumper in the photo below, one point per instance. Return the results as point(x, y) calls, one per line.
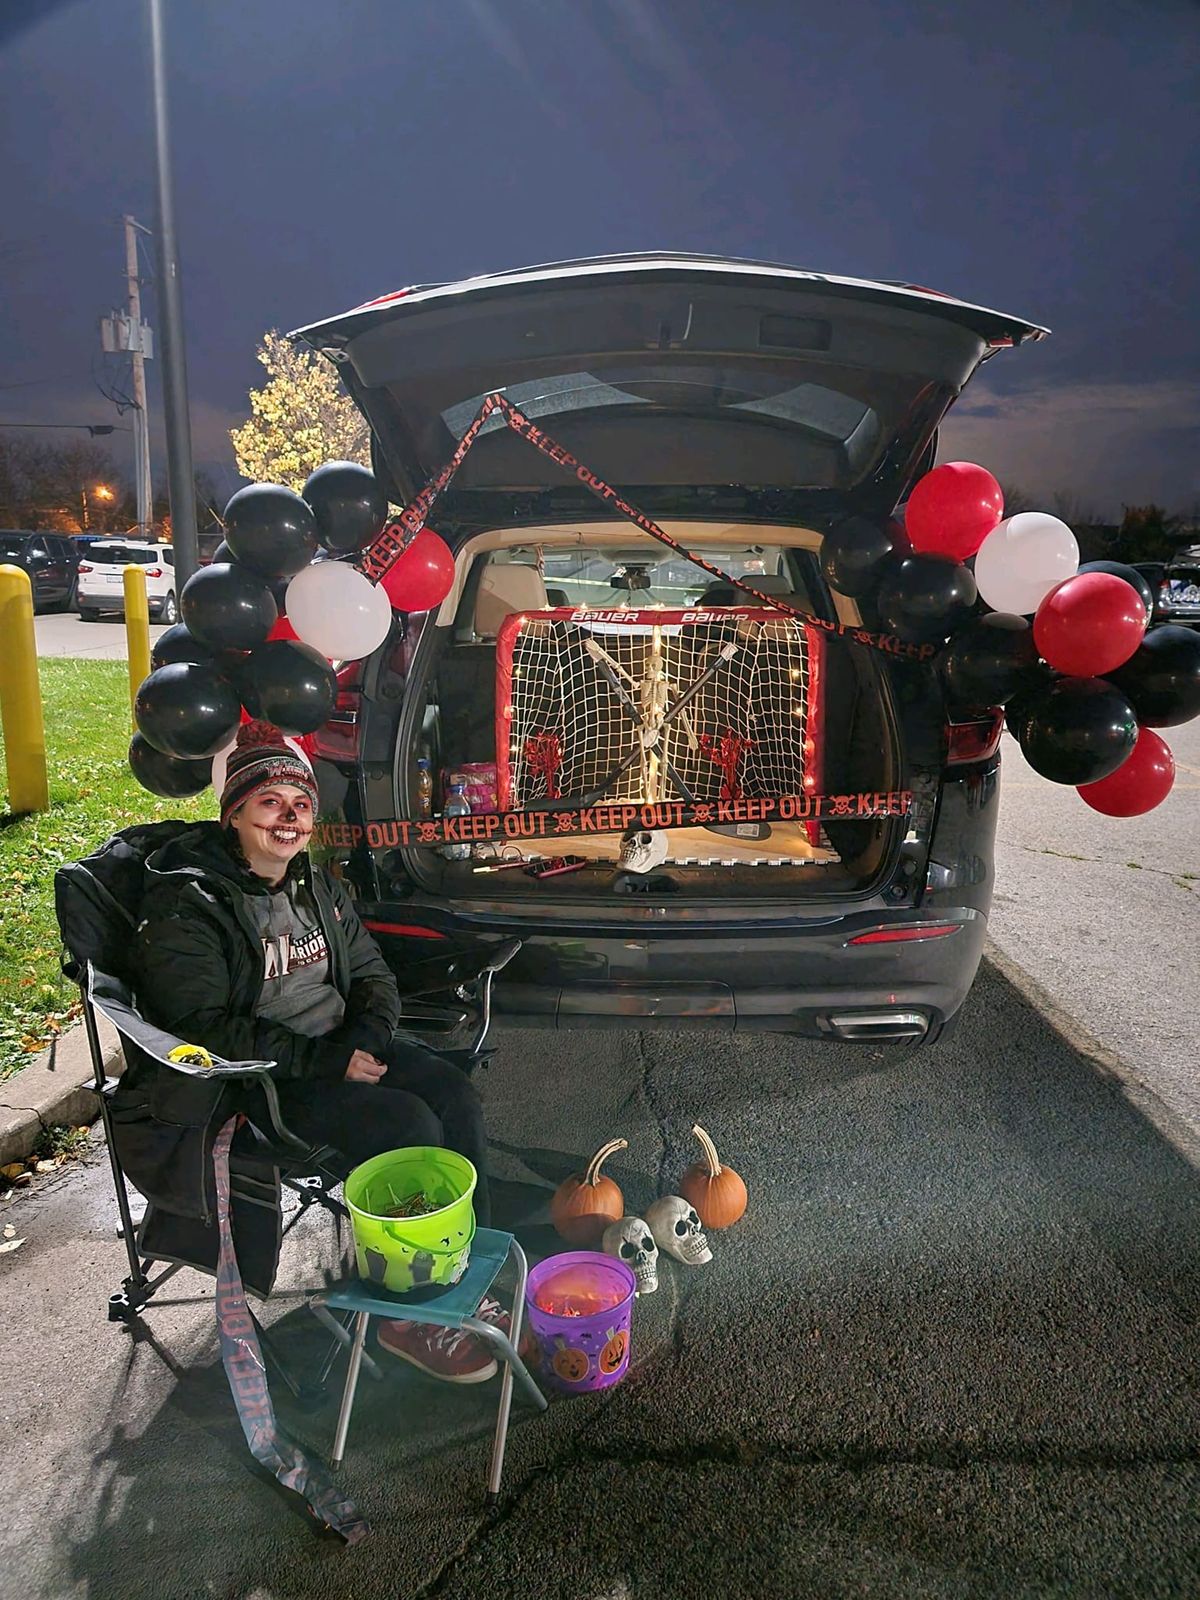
point(812, 982)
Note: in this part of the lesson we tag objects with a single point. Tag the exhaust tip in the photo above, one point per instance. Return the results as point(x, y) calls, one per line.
point(878, 1024)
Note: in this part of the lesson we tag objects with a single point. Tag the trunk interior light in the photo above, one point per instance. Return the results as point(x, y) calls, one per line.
point(977, 740)
point(922, 930)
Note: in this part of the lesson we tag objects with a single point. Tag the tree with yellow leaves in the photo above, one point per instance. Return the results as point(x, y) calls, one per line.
point(299, 419)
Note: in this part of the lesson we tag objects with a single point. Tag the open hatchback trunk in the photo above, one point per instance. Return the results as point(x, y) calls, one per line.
point(580, 664)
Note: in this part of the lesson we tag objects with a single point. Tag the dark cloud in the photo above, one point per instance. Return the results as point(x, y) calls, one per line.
point(1035, 157)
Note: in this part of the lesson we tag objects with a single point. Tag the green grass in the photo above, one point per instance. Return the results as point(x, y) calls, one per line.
point(92, 794)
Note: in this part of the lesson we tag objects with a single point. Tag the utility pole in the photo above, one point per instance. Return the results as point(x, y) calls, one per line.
point(179, 437)
point(141, 416)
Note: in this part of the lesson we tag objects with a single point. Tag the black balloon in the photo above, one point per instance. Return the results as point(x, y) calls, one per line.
point(1078, 731)
point(1131, 575)
point(271, 530)
point(989, 662)
point(1035, 680)
point(926, 598)
point(177, 644)
point(349, 506)
point(221, 553)
point(855, 554)
point(187, 710)
point(167, 775)
point(227, 608)
point(1162, 677)
point(289, 685)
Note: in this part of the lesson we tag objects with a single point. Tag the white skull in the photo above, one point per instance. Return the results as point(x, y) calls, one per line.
point(631, 1241)
point(642, 852)
point(677, 1230)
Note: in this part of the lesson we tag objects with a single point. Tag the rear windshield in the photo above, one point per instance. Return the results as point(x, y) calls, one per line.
point(122, 555)
point(11, 544)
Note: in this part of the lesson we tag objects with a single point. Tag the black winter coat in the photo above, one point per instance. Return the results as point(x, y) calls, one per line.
point(200, 961)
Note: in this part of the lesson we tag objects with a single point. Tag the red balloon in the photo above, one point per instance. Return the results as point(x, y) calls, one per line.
point(423, 576)
point(1088, 625)
point(1141, 782)
point(953, 509)
point(281, 628)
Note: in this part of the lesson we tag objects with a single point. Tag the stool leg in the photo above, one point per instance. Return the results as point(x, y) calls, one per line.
point(327, 1320)
point(343, 1421)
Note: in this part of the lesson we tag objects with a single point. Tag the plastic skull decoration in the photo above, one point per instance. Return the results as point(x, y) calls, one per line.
point(643, 851)
point(676, 1229)
point(631, 1241)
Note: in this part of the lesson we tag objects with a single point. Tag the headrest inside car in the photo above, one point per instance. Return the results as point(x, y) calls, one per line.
point(504, 589)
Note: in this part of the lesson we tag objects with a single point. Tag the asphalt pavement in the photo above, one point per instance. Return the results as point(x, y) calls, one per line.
point(951, 1350)
point(62, 633)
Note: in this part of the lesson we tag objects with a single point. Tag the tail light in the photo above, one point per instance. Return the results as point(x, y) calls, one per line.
point(337, 739)
point(86, 566)
point(915, 930)
point(977, 740)
point(154, 572)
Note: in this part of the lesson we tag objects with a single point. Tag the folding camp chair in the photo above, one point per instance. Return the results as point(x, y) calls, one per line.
point(274, 1154)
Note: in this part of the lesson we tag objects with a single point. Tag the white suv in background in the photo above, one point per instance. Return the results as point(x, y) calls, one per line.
point(101, 585)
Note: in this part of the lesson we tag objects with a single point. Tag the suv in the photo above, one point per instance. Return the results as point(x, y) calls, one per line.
point(747, 408)
point(102, 580)
point(50, 559)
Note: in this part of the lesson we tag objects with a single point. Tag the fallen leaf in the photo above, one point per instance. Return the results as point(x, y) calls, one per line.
point(46, 1166)
point(12, 1171)
point(10, 1244)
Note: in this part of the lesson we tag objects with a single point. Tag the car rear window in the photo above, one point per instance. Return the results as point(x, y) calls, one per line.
point(12, 544)
point(122, 555)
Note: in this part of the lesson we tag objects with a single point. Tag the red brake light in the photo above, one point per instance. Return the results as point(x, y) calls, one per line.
point(154, 572)
point(405, 930)
point(920, 930)
point(977, 740)
point(337, 739)
point(86, 566)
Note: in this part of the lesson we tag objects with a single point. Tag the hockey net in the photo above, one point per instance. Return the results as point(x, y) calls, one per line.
point(649, 705)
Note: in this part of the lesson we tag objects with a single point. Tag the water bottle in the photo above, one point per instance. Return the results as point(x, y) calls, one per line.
point(457, 806)
point(424, 789)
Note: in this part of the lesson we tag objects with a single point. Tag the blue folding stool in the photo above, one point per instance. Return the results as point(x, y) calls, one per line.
point(456, 1308)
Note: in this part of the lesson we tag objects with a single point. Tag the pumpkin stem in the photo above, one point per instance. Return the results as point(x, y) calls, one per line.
point(710, 1151)
point(592, 1175)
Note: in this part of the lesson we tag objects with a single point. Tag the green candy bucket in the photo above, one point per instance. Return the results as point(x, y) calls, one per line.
point(421, 1253)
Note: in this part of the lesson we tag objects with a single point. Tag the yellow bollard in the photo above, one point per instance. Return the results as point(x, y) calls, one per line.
point(21, 696)
point(137, 630)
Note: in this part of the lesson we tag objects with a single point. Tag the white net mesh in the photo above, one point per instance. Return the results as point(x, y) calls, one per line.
point(684, 701)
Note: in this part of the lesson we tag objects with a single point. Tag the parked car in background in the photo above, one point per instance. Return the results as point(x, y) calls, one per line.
point(748, 408)
point(50, 559)
point(1178, 597)
point(101, 588)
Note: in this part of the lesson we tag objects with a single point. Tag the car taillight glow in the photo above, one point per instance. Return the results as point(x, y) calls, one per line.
point(154, 572)
point(406, 930)
point(85, 566)
point(977, 740)
point(337, 739)
point(926, 930)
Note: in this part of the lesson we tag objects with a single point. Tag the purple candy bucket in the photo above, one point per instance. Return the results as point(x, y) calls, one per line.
point(579, 1307)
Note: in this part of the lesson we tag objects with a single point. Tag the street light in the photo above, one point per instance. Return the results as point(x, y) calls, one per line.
point(100, 491)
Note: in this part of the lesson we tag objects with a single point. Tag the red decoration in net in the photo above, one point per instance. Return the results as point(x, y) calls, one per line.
point(727, 753)
point(543, 752)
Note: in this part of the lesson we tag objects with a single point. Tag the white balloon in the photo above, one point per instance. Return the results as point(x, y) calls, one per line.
point(1022, 559)
point(338, 611)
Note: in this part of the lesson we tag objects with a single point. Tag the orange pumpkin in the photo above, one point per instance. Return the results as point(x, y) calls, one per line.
point(585, 1203)
point(614, 1351)
point(716, 1193)
point(570, 1365)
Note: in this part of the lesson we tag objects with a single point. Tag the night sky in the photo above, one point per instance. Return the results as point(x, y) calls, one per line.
point(1038, 158)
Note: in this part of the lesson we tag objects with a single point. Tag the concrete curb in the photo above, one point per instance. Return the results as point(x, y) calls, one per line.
point(56, 1087)
point(1164, 1118)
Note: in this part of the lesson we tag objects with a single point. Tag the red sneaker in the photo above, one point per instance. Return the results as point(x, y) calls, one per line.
point(492, 1311)
point(451, 1354)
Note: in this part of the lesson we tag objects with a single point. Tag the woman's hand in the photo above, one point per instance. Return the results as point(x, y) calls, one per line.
point(364, 1068)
